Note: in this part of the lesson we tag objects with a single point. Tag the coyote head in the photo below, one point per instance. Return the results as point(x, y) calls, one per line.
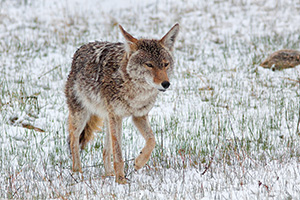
point(151, 60)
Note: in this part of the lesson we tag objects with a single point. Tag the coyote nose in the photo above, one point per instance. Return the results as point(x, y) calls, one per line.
point(165, 84)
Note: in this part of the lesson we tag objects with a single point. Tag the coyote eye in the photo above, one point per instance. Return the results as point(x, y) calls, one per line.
point(149, 65)
point(166, 64)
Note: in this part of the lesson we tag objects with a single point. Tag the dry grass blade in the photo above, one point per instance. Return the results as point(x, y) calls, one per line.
point(29, 126)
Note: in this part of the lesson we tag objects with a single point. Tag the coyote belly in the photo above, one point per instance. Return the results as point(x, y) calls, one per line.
point(111, 81)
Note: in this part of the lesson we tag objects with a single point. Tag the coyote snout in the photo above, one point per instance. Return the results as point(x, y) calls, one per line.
point(111, 81)
point(159, 78)
point(165, 85)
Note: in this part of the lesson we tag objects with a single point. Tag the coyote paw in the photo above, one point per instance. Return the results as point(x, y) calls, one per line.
point(110, 173)
point(140, 162)
point(76, 169)
point(121, 180)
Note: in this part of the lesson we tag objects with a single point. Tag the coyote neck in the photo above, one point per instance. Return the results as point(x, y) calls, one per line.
point(137, 98)
point(138, 95)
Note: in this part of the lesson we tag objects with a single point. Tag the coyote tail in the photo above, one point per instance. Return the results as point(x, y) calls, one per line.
point(91, 126)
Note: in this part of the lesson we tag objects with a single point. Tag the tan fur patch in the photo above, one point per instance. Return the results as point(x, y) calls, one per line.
point(160, 75)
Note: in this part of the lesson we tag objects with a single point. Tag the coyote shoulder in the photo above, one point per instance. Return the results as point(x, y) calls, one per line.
point(110, 81)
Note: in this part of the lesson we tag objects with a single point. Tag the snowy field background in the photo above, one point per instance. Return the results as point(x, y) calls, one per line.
point(227, 128)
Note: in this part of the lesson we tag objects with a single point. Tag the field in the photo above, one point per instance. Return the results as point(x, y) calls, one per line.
point(226, 129)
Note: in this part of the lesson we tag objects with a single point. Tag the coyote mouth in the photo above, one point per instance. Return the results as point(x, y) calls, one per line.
point(162, 90)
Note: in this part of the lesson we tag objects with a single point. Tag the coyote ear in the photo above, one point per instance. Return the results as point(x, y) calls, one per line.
point(131, 42)
point(169, 39)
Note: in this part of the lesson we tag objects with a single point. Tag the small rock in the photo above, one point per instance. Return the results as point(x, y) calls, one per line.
point(282, 59)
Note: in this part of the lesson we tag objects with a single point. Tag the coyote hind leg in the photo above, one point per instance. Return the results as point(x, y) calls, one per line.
point(107, 152)
point(77, 122)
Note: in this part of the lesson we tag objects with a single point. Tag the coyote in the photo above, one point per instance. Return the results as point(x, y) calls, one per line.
point(110, 81)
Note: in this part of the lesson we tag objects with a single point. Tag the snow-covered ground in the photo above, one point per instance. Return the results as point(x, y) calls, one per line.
point(227, 128)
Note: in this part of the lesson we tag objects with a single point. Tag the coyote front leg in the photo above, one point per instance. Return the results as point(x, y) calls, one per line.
point(115, 130)
point(143, 126)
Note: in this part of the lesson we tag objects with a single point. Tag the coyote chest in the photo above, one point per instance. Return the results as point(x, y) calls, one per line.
point(138, 102)
point(128, 100)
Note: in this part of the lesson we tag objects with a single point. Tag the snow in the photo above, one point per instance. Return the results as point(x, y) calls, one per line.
point(223, 112)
